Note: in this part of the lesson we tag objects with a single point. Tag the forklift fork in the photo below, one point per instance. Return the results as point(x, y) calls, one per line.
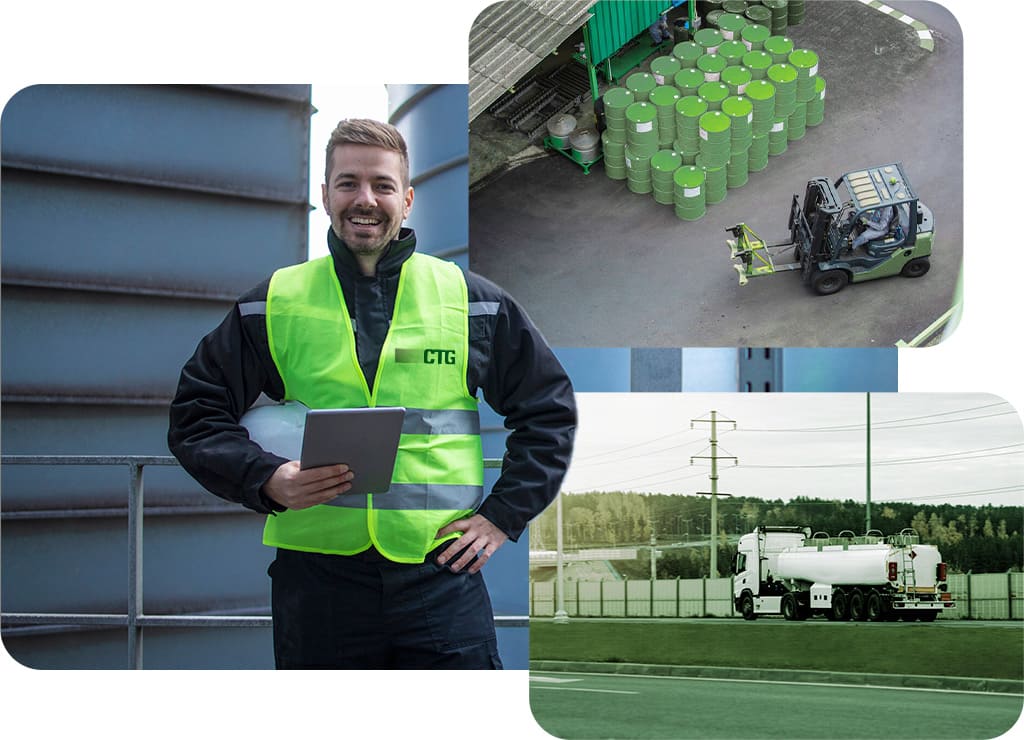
point(748, 246)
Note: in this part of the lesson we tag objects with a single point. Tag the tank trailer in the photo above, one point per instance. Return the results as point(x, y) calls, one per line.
point(787, 571)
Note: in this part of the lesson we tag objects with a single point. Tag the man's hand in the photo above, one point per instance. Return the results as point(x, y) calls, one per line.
point(300, 489)
point(479, 538)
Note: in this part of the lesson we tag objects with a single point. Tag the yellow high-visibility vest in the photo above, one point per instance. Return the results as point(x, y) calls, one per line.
point(438, 474)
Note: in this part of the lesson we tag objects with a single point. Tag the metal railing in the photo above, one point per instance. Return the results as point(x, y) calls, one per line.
point(135, 620)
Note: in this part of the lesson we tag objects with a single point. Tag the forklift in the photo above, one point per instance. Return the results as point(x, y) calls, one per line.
point(869, 224)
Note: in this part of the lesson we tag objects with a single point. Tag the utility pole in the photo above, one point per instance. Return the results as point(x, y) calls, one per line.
point(560, 615)
point(715, 457)
point(867, 509)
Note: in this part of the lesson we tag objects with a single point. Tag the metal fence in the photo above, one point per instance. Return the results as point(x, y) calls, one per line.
point(977, 596)
point(134, 619)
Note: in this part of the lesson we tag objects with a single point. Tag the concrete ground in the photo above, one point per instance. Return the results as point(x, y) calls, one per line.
point(597, 265)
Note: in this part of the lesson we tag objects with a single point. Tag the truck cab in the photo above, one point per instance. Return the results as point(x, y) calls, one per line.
point(755, 587)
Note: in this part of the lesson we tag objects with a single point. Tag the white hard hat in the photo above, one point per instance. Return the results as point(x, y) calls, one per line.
point(277, 428)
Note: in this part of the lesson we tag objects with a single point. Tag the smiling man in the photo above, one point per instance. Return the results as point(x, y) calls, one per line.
point(359, 582)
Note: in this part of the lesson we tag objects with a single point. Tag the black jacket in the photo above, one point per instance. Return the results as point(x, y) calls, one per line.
point(510, 362)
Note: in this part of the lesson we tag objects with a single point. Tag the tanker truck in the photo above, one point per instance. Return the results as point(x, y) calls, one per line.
point(788, 571)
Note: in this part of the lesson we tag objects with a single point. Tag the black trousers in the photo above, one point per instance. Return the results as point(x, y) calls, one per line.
point(366, 612)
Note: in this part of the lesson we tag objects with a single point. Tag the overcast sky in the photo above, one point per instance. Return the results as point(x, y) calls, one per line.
point(933, 448)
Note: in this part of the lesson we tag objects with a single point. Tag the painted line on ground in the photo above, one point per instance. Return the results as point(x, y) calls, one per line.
point(924, 34)
point(589, 691)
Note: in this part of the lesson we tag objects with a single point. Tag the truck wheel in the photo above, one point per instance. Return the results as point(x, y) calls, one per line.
point(838, 612)
point(790, 609)
point(927, 616)
point(830, 281)
point(916, 267)
point(747, 607)
point(858, 606)
point(876, 607)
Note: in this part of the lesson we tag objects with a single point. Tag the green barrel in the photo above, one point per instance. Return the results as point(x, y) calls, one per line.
point(642, 129)
point(731, 25)
point(757, 155)
point(638, 172)
point(688, 191)
point(688, 52)
point(735, 6)
point(780, 14)
point(641, 84)
point(784, 77)
point(714, 93)
point(797, 126)
point(616, 100)
point(761, 94)
point(816, 105)
point(778, 137)
point(759, 14)
point(688, 81)
point(732, 52)
point(614, 157)
point(754, 35)
point(711, 19)
point(716, 182)
point(741, 115)
point(688, 113)
point(664, 69)
point(780, 47)
point(737, 78)
point(758, 63)
point(737, 172)
point(715, 138)
point(711, 65)
point(709, 39)
point(805, 62)
point(663, 166)
point(664, 100)
point(794, 12)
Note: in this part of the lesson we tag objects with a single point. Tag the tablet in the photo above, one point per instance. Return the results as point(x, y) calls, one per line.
point(364, 439)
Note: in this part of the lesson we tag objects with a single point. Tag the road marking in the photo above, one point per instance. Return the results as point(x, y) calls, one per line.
point(591, 691)
point(552, 679)
point(924, 34)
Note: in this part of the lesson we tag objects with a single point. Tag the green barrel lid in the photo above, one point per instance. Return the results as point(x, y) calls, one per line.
point(782, 74)
point(736, 76)
point(641, 82)
point(665, 95)
point(774, 4)
point(664, 68)
point(687, 52)
point(731, 24)
point(641, 112)
point(755, 33)
point(689, 79)
point(760, 90)
point(732, 51)
point(712, 16)
point(757, 60)
point(778, 45)
point(737, 107)
point(803, 59)
point(617, 97)
point(709, 38)
point(689, 176)
point(666, 160)
point(712, 63)
point(713, 92)
point(819, 85)
point(759, 14)
point(715, 122)
point(734, 6)
point(692, 106)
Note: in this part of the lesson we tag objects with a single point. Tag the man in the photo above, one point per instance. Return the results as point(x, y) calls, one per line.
point(660, 31)
point(396, 584)
point(877, 224)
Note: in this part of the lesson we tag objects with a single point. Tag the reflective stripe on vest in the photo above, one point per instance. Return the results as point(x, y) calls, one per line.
point(438, 474)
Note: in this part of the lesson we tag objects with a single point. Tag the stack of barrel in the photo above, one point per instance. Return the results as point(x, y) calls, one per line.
point(713, 111)
point(777, 15)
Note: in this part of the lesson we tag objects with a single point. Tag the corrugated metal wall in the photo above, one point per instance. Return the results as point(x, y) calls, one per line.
point(616, 22)
point(132, 218)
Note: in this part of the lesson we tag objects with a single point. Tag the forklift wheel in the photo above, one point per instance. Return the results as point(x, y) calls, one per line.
point(830, 281)
point(916, 267)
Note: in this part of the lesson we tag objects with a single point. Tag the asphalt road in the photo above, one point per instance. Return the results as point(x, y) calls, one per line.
point(597, 265)
point(569, 705)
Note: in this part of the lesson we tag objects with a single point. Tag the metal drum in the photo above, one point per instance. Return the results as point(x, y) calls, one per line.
point(664, 100)
point(732, 52)
point(797, 122)
point(780, 47)
point(688, 191)
point(794, 12)
point(780, 14)
point(758, 62)
point(741, 115)
point(711, 65)
point(714, 93)
point(688, 113)
point(784, 77)
point(641, 84)
point(709, 39)
point(688, 81)
point(737, 171)
point(731, 25)
point(638, 172)
point(616, 100)
point(642, 130)
point(663, 166)
point(761, 94)
point(687, 53)
point(664, 69)
point(715, 139)
point(737, 79)
point(816, 105)
point(735, 6)
point(778, 137)
point(614, 157)
point(757, 155)
point(805, 62)
point(586, 144)
point(559, 127)
point(759, 14)
point(754, 35)
point(716, 182)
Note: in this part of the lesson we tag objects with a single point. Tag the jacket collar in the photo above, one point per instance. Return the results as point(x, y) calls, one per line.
point(397, 252)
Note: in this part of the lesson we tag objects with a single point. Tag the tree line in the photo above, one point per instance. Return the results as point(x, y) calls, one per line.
point(980, 539)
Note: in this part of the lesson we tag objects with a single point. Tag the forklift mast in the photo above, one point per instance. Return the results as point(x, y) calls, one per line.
point(813, 227)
